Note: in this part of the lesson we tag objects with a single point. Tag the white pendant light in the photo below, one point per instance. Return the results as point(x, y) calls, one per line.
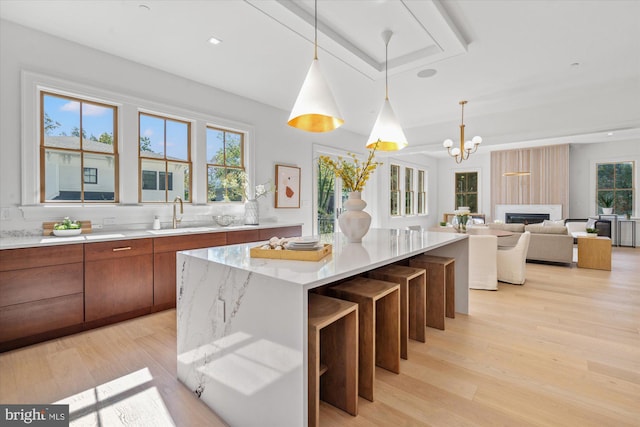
point(315, 109)
point(387, 134)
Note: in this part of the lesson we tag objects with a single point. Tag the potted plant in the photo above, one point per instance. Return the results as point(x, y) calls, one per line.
point(606, 202)
point(592, 232)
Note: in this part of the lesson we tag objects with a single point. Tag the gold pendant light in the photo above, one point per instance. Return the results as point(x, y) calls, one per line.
point(315, 109)
point(387, 134)
point(466, 148)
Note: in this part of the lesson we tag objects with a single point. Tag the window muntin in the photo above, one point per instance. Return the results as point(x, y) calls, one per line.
point(225, 165)
point(422, 195)
point(466, 190)
point(165, 147)
point(408, 191)
point(615, 180)
point(77, 135)
point(394, 184)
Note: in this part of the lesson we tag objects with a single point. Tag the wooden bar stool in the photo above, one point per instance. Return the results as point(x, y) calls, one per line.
point(441, 289)
point(332, 355)
point(378, 325)
point(413, 282)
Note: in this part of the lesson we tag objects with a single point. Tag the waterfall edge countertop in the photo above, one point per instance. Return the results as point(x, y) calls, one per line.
point(242, 321)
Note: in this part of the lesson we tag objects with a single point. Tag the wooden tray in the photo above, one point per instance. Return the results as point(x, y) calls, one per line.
point(257, 252)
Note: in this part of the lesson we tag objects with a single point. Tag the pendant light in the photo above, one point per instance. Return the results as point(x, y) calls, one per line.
point(387, 134)
point(466, 148)
point(315, 109)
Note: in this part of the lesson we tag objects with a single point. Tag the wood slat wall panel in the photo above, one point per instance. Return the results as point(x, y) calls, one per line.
point(547, 184)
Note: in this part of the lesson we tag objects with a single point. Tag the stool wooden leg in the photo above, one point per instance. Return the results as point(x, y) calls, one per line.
point(388, 332)
point(366, 349)
point(404, 319)
point(338, 351)
point(435, 298)
point(417, 308)
point(451, 290)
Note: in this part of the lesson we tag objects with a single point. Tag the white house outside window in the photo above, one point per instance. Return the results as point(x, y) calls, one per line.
point(78, 143)
point(165, 159)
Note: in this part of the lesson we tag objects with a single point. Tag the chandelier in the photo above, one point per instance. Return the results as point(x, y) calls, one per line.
point(466, 148)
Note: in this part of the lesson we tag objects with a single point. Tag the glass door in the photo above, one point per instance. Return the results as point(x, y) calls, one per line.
point(329, 205)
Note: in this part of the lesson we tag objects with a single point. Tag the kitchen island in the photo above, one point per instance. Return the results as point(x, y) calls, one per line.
point(242, 321)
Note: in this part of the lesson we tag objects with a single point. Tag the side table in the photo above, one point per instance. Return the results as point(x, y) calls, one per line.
point(594, 252)
point(632, 224)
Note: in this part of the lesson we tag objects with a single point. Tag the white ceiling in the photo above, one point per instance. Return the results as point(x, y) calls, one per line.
point(512, 60)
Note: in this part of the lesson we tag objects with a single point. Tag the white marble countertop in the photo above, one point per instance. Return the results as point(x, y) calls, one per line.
point(379, 247)
point(105, 235)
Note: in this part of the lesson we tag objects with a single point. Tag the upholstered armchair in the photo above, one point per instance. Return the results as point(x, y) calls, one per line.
point(483, 268)
point(512, 261)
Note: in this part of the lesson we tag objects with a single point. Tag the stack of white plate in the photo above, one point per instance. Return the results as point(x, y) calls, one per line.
point(304, 244)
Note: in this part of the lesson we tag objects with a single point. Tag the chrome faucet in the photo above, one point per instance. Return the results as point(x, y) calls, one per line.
point(177, 220)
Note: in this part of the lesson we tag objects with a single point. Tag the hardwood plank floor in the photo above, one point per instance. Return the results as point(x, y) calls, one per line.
point(562, 350)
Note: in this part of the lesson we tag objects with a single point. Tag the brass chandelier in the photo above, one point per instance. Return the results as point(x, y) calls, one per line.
point(466, 148)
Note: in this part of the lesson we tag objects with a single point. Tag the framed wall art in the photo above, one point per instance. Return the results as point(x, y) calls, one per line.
point(287, 186)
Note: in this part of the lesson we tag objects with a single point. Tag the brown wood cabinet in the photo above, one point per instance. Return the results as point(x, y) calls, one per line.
point(118, 279)
point(267, 233)
point(164, 263)
point(41, 294)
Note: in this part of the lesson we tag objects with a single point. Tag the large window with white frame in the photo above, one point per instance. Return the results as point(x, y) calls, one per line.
point(615, 187)
point(407, 195)
point(225, 165)
point(165, 158)
point(408, 191)
point(78, 140)
point(422, 194)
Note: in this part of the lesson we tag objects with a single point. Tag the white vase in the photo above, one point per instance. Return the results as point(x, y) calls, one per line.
point(251, 212)
point(354, 222)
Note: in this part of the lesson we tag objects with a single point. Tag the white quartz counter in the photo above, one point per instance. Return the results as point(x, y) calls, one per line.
point(242, 321)
point(120, 234)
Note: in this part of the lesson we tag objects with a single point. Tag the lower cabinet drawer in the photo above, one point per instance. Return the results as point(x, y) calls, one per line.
point(33, 284)
point(23, 320)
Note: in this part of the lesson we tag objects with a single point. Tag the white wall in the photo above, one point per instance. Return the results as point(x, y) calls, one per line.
point(23, 49)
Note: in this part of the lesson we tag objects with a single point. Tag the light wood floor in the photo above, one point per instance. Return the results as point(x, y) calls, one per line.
point(562, 350)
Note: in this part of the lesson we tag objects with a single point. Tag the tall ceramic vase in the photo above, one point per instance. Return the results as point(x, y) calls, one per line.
point(354, 222)
point(251, 212)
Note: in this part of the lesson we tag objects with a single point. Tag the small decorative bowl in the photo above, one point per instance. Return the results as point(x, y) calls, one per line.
point(68, 232)
point(223, 220)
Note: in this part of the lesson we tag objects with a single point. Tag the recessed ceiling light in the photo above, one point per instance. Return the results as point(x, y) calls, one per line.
point(429, 72)
point(144, 7)
point(214, 40)
point(610, 134)
point(575, 65)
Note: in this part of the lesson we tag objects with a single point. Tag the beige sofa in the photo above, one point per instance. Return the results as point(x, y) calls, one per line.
point(551, 243)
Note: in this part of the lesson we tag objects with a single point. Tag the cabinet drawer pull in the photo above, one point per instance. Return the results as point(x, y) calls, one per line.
point(125, 248)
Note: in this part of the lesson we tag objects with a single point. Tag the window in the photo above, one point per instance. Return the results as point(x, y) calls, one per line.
point(394, 180)
point(77, 139)
point(225, 165)
point(90, 175)
point(408, 191)
point(422, 195)
point(467, 190)
point(165, 147)
point(615, 187)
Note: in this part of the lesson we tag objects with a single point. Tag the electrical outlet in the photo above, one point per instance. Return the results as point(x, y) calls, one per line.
point(221, 315)
point(109, 221)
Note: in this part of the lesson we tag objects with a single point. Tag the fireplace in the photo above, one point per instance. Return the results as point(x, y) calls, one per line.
point(525, 218)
